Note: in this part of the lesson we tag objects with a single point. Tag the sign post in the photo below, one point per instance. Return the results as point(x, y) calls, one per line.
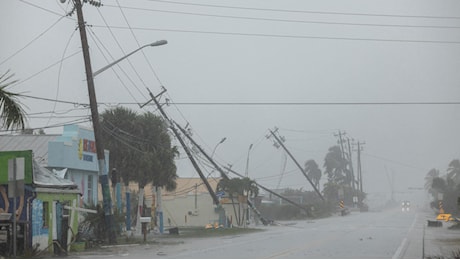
point(15, 189)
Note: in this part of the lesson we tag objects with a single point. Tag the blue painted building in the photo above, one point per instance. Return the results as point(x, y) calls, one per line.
point(75, 150)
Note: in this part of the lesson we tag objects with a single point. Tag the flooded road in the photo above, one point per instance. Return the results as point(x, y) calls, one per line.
point(384, 234)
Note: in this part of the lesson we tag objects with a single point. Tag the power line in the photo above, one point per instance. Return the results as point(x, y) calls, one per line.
point(32, 41)
point(57, 112)
point(55, 100)
point(314, 103)
point(47, 10)
point(45, 117)
point(113, 69)
point(110, 132)
point(307, 11)
point(59, 74)
point(406, 103)
point(288, 20)
point(129, 61)
point(393, 161)
point(282, 35)
point(143, 53)
point(78, 121)
point(46, 68)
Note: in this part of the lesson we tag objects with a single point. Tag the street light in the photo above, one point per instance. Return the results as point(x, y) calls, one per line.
point(221, 141)
point(157, 43)
point(247, 161)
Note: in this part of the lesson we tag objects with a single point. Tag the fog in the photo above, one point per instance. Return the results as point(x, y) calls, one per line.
point(384, 72)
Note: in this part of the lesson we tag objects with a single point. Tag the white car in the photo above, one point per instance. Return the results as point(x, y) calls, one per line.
point(405, 205)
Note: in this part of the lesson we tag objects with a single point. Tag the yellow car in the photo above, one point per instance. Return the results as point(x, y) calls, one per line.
point(445, 217)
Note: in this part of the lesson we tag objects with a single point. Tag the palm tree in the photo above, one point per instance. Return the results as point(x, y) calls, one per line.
point(140, 146)
point(240, 188)
point(161, 152)
point(313, 172)
point(453, 172)
point(336, 165)
point(12, 114)
point(430, 176)
point(117, 123)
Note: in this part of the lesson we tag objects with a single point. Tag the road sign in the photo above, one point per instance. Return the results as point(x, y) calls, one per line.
point(16, 177)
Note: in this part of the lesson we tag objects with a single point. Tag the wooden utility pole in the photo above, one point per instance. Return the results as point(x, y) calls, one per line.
point(225, 176)
point(103, 177)
point(341, 142)
point(298, 165)
point(360, 174)
point(187, 151)
point(350, 159)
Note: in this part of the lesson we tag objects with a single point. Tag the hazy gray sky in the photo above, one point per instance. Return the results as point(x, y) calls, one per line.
point(252, 52)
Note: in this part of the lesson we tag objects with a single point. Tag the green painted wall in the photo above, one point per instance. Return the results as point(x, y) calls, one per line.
point(5, 156)
point(61, 197)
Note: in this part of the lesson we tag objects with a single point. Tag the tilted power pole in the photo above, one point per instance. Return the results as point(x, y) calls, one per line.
point(298, 165)
point(187, 151)
point(224, 175)
point(103, 177)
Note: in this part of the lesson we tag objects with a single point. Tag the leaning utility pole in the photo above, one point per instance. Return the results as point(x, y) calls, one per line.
point(103, 176)
point(298, 165)
point(209, 158)
point(214, 197)
point(187, 151)
point(225, 176)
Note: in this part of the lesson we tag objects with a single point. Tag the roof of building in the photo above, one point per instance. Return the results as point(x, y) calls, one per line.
point(44, 178)
point(37, 143)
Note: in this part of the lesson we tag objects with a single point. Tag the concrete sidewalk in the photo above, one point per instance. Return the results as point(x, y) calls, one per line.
point(430, 242)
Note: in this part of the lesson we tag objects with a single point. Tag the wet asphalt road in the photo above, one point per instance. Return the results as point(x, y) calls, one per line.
point(383, 234)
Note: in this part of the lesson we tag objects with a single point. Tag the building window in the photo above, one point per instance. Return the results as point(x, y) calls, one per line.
point(65, 212)
point(90, 190)
point(45, 217)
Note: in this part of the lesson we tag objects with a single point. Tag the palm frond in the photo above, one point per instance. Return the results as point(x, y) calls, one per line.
point(12, 114)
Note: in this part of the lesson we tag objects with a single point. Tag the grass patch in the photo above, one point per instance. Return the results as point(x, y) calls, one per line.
point(184, 232)
point(197, 232)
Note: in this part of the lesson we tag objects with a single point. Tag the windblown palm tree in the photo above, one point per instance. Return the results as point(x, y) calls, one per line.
point(430, 176)
point(12, 114)
point(313, 171)
point(336, 166)
point(453, 171)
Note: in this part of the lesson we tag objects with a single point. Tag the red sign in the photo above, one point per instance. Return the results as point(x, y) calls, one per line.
point(89, 146)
